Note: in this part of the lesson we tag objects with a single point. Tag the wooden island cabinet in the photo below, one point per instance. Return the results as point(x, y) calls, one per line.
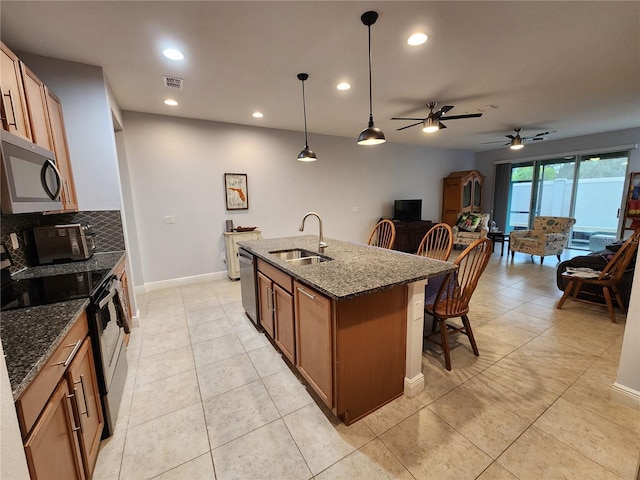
point(342, 323)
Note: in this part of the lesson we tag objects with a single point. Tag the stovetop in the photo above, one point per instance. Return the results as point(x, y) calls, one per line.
point(30, 292)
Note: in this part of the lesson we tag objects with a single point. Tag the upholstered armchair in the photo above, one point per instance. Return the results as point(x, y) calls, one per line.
point(548, 236)
point(470, 227)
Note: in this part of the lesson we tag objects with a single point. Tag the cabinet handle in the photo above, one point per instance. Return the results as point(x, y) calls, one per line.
point(84, 396)
point(13, 113)
point(73, 352)
point(302, 290)
point(75, 411)
point(269, 298)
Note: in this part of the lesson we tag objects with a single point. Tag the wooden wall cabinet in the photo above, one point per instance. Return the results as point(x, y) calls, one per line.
point(34, 91)
point(15, 117)
point(60, 413)
point(461, 192)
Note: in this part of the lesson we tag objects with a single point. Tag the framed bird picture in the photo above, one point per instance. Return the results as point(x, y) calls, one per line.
point(237, 195)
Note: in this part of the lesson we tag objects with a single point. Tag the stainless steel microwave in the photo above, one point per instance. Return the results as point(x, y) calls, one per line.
point(30, 180)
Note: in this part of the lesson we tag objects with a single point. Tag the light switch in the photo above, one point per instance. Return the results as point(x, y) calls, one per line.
point(169, 219)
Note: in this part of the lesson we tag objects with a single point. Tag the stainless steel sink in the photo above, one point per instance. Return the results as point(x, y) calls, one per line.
point(300, 256)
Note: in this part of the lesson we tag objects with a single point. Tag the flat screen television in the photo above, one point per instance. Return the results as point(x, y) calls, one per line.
point(407, 210)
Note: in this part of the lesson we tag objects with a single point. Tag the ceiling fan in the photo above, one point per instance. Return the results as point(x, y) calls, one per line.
point(433, 123)
point(517, 142)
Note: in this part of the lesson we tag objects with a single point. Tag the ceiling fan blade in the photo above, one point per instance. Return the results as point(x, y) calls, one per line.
point(511, 137)
point(456, 117)
point(499, 141)
point(441, 125)
point(408, 126)
point(542, 134)
point(445, 109)
point(404, 118)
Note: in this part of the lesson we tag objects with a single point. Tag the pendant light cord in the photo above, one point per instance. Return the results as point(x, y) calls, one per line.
point(370, 88)
point(304, 109)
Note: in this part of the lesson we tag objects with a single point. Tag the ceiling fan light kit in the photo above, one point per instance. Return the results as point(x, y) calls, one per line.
point(432, 123)
point(371, 135)
point(306, 155)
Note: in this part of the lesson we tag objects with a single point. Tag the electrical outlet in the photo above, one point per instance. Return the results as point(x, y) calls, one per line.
point(169, 219)
point(14, 241)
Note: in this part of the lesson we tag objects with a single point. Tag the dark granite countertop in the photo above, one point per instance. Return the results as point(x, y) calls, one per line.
point(30, 335)
point(355, 270)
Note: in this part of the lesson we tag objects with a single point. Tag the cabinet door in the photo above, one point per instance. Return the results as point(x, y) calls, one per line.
point(265, 299)
point(63, 162)
point(52, 448)
point(284, 323)
point(314, 340)
point(81, 377)
point(467, 195)
point(477, 194)
point(15, 118)
point(35, 96)
point(451, 200)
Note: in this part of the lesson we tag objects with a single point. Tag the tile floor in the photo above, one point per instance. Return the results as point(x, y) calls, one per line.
point(208, 396)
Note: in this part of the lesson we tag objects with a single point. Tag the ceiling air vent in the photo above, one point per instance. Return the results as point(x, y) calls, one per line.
point(172, 82)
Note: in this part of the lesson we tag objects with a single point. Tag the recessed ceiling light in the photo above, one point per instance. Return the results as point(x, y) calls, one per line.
point(257, 115)
point(343, 86)
point(417, 39)
point(171, 102)
point(173, 54)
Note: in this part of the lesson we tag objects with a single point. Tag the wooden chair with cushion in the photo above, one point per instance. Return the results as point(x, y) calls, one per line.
point(608, 279)
point(437, 242)
point(383, 234)
point(453, 298)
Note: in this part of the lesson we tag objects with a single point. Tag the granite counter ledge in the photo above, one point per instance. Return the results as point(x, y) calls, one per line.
point(31, 335)
point(99, 261)
point(355, 270)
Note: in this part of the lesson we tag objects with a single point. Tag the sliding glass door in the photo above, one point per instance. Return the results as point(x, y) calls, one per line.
point(588, 188)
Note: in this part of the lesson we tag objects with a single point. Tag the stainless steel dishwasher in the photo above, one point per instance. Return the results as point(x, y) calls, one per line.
point(248, 284)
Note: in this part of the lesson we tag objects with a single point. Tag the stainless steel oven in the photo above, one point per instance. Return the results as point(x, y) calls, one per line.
point(107, 334)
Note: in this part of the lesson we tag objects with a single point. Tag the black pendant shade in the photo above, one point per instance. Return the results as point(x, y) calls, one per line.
point(371, 135)
point(306, 155)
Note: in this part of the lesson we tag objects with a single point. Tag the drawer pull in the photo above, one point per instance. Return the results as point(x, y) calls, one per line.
point(302, 290)
point(71, 355)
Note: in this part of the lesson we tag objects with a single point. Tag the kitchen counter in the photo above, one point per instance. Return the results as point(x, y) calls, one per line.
point(355, 270)
point(30, 335)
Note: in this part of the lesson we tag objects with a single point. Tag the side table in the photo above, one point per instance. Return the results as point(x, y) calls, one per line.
point(499, 237)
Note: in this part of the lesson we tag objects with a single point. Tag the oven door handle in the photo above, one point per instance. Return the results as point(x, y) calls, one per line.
point(111, 293)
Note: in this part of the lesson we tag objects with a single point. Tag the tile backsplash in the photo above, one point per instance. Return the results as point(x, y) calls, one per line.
point(106, 223)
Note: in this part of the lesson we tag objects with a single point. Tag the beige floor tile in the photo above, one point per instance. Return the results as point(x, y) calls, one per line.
point(513, 392)
point(176, 392)
point(374, 461)
point(392, 413)
point(252, 339)
point(164, 443)
point(537, 455)
point(437, 380)
point(552, 350)
point(204, 331)
point(511, 334)
point(225, 375)
point(595, 397)
point(321, 442)
point(431, 449)
point(287, 392)
point(110, 456)
point(612, 446)
point(239, 321)
point(237, 412)
point(200, 468)
point(163, 342)
point(487, 424)
point(216, 349)
point(496, 472)
point(162, 323)
point(205, 315)
point(266, 453)
point(543, 312)
point(267, 361)
point(193, 304)
point(166, 364)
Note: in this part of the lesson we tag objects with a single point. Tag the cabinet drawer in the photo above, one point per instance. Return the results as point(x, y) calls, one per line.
point(278, 276)
point(33, 399)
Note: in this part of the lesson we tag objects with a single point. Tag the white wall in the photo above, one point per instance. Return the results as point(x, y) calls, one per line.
point(87, 116)
point(628, 371)
point(176, 167)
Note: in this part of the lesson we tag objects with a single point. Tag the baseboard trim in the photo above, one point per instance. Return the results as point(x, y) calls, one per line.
point(625, 395)
point(413, 386)
point(179, 282)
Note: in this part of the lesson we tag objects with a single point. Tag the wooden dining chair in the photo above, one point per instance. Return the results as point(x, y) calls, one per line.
point(608, 279)
point(437, 242)
point(383, 235)
point(453, 298)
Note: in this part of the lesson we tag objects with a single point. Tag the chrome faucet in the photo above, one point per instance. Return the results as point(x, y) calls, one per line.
point(321, 243)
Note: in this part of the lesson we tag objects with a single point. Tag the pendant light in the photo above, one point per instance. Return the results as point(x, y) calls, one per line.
point(306, 155)
point(371, 135)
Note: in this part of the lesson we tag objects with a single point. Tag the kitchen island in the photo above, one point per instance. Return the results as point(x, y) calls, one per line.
point(352, 323)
